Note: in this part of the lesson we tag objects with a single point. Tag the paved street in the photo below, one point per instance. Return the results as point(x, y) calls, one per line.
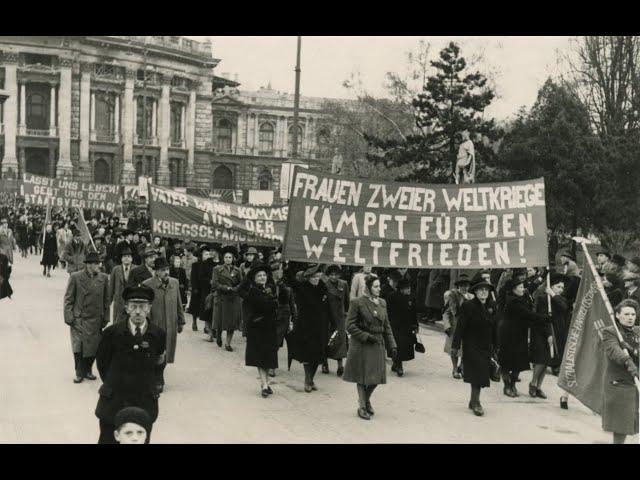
point(211, 397)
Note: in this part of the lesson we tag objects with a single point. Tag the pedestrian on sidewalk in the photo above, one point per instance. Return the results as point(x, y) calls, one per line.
point(132, 425)
point(127, 357)
point(261, 308)
point(620, 411)
point(370, 330)
point(476, 334)
point(166, 312)
point(86, 311)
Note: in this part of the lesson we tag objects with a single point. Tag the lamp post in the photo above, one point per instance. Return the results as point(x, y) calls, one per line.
point(296, 103)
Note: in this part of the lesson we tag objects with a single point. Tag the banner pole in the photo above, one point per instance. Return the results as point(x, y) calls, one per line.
point(554, 346)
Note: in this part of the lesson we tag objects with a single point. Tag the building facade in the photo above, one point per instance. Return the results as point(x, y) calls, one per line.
point(109, 109)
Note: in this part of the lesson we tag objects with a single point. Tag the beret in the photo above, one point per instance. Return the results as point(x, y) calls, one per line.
point(133, 415)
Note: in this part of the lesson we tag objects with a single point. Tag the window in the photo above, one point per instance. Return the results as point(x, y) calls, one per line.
point(224, 135)
point(37, 59)
point(144, 115)
point(176, 122)
point(222, 178)
point(2, 74)
point(290, 144)
point(175, 172)
point(323, 141)
point(146, 167)
point(266, 139)
point(148, 75)
point(101, 171)
point(264, 180)
point(37, 111)
point(105, 113)
point(179, 82)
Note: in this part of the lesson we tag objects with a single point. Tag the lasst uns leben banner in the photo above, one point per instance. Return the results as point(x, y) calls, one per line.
point(180, 215)
point(63, 193)
point(335, 219)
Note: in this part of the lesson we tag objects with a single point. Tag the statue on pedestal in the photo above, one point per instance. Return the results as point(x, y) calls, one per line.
point(465, 171)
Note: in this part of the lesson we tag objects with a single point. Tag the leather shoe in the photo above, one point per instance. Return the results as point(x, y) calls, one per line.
point(325, 368)
point(533, 391)
point(515, 391)
point(90, 376)
point(194, 326)
point(219, 342)
point(265, 393)
point(78, 379)
point(564, 404)
point(228, 348)
point(370, 409)
point(307, 388)
point(340, 371)
point(540, 394)
point(477, 410)
point(363, 414)
point(272, 372)
point(269, 391)
point(508, 391)
point(313, 387)
point(400, 372)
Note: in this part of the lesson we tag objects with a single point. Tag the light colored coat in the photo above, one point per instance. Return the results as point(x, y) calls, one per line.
point(63, 237)
point(167, 311)
point(74, 255)
point(7, 243)
point(86, 310)
point(117, 284)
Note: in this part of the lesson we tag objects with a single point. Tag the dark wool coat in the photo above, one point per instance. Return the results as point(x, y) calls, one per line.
point(5, 274)
point(514, 333)
point(476, 333)
point(365, 363)
point(402, 317)
point(127, 369)
point(312, 324)
point(86, 310)
point(74, 255)
point(139, 274)
point(262, 339)
point(620, 412)
point(227, 303)
point(49, 250)
point(338, 298)
point(539, 352)
point(180, 275)
point(287, 310)
point(194, 303)
point(117, 284)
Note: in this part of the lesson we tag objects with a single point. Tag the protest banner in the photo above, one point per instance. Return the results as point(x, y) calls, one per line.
point(63, 193)
point(350, 221)
point(180, 215)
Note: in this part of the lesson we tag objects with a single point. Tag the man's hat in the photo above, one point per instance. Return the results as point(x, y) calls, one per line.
point(133, 415)
point(126, 251)
point(603, 251)
point(333, 269)
point(568, 254)
point(230, 249)
point(558, 278)
point(309, 272)
point(251, 250)
point(395, 275)
point(149, 251)
point(138, 292)
point(619, 260)
point(404, 283)
point(126, 231)
point(635, 261)
point(257, 269)
point(160, 263)
point(92, 257)
point(513, 283)
point(480, 284)
point(463, 278)
point(75, 231)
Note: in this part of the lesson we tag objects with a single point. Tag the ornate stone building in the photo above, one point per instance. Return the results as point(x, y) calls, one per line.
point(110, 108)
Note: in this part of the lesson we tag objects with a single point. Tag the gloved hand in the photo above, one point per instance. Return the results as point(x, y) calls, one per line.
point(631, 367)
point(372, 339)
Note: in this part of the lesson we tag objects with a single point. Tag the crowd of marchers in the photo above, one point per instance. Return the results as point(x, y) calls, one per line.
point(128, 293)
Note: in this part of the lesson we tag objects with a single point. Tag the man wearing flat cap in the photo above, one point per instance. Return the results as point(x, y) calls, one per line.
point(167, 312)
point(86, 311)
point(74, 253)
point(127, 358)
point(145, 271)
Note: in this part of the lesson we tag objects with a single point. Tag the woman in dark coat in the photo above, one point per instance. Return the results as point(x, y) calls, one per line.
point(312, 325)
point(338, 297)
point(514, 332)
point(370, 330)
point(227, 303)
point(544, 335)
point(620, 409)
point(205, 288)
point(261, 306)
point(402, 317)
point(196, 294)
point(476, 333)
point(49, 251)
point(287, 312)
point(176, 271)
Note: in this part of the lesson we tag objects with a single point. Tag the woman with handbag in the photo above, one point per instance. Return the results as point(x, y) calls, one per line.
point(368, 325)
point(338, 298)
point(404, 325)
point(476, 334)
point(261, 307)
point(620, 406)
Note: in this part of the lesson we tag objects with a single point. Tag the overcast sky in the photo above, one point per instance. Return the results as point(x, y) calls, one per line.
point(521, 64)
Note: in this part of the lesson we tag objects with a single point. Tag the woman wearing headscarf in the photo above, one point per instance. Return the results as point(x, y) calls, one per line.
point(261, 307)
point(620, 411)
point(338, 297)
point(312, 324)
point(476, 334)
point(514, 333)
point(227, 303)
point(370, 330)
point(453, 300)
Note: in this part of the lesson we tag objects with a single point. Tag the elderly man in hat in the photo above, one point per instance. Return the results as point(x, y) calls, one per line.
point(250, 261)
point(74, 253)
point(118, 280)
point(166, 312)
point(126, 243)
point(145, 271)
point(86, 311)
point(127, 358)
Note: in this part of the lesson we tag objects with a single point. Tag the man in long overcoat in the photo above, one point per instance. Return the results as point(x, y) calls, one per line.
point(127, 357)
point(86, 311)
point(7, 240)
point(118, 280)
point(166, 312)
point(75, 253)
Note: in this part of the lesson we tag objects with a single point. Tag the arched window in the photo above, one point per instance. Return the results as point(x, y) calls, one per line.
point(323, 141)
point(37, 112)
point(175, 172)
point(264, 180)
point(105, 114)
point(222, 178)
point(176, 122)
point(101, 171)
point(224, 135)
point(266, 139)
point(290, 144)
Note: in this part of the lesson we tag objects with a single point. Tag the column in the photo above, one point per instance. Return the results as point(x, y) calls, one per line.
point(10, 160)
point(154, 118)
point(240, 137)
point(23, 108)
point(64, 167)
point(116, 118)
point(92, 107)
point(85, 116)
point(190, 136)
point(256, 138)
point(282, 146)
point(128, 129)
point(52, 112)
point(135, 118)
point(183, 124)
point(164, 114)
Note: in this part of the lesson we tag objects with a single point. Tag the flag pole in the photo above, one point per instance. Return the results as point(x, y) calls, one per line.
point(554, 346)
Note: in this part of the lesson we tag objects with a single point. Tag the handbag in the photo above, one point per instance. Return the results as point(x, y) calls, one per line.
point(418, 346)
point(494, 369)
point(332, 345)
